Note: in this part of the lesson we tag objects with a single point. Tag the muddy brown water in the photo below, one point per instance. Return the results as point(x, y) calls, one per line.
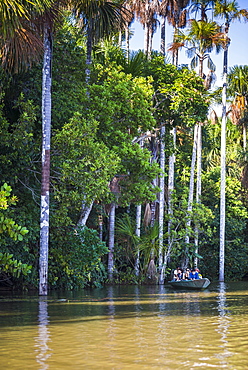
point(127, 327)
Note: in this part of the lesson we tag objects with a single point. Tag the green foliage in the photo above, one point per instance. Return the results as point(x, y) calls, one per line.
point(75, 260)
point(83, 166)
point(8, 225)
point(13, 267)
point(200, 216)
point(9, 265)
point(236, 246)
point(188, 98)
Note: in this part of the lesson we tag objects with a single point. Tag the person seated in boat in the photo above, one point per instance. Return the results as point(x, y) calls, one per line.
point(175, 274)
point(193, 275)
point(199, 274)
point(179, 274)
point(186, 274)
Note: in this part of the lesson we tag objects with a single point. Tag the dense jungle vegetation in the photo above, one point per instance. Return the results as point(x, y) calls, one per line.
point(135, 154)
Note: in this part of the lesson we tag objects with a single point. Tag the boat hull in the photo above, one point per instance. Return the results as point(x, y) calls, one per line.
point(190, 284)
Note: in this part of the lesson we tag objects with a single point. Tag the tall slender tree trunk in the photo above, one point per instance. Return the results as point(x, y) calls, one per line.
point(137, 232)
point(171, 175)
point(161, 206)
point(111, 242)
point(223, 170)
point(85, 212)
point(244, 139)
point(146, 39)
point(191, 194)
point(127, 42)
point(198, 185)
point(198, 169)
point(88, 53)
point(162, 40)
point(120, 39)
point(150, 42)
point(45, 170)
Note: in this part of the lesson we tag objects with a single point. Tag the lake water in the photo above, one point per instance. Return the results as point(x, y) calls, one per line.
point(148, 327)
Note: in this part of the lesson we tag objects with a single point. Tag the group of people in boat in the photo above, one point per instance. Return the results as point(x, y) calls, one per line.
point(187, 274)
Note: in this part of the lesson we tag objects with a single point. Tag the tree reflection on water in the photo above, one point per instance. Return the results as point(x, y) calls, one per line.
point(43, 350)
point(224, 320)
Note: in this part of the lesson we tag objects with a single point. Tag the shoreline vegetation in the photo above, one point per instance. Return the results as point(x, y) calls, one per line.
point(115, 168)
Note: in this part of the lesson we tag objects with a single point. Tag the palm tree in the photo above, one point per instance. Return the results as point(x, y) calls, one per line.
point(201, 38)
point(99, 19)
point(146, 12)
point(202, 6)
point(176, 15)
point(161, 204)
point(18, 47)
point(20, 42)
point(229, 10)
point(47, 23)
point(238, 88)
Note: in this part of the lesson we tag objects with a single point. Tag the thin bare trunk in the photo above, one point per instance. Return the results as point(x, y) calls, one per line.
point(223, 171)
point(162, 40)
point(161, 206)
point(198, 185)
point(137, 232)
point(244, 140)
point(111, 242)
point(146, 39)
point(198, 169)
point(150, 43)
point(88, 53)
point(127, 42)
point(191, 194)
point(171, 175)
point(45, 171)
point(85, 212)
point(120, 39)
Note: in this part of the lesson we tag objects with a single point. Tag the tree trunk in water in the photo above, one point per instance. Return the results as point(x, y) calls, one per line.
point(198, 169)
point(223, 172)
point(191, 193)
point(162, 41)
point(111, 242)
point(161, 206)
point(137, 232)
point(45, 171)
point(171, 175)
point(198, 185)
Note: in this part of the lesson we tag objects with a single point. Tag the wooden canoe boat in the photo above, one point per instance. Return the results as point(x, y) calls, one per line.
point(190, 284)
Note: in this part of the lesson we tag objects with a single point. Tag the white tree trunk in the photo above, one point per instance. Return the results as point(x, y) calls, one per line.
point(191, 191)
point(223, 172)
point(127, 42)
point(161, 206)
point(162, 40)
point(171, 175)
point(45, 171)
point(146, 39)
point(111, 242)
point(137, 232)
point(86, 209)
point(198, 184)
point(120, 39)
point(244, 140)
